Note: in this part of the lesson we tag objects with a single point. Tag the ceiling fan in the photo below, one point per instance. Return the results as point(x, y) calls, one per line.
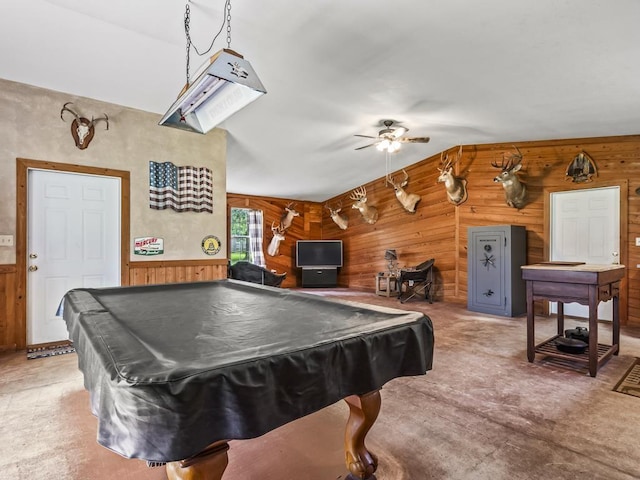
point(390, 139)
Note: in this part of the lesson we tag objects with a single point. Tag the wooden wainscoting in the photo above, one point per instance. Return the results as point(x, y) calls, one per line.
point(176, 271)
point(7, 307)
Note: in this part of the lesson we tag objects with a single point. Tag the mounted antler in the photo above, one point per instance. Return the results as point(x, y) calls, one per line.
point(456, 187)
point(82, 129)
point(514, 190)
point(369, 213)
point(278, 236)
point(288, 215)
point(340, 220)
point(407, 200)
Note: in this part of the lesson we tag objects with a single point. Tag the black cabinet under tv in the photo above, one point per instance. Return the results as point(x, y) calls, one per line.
point(319, 277)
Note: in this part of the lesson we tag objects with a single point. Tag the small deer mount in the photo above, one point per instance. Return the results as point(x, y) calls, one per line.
point(288, 215)
point(368, 212)
point(455, 186)
point(581, 169)
point(82, 129)
point(406, 199)
point(515, 191)
point(341, 220)
point(278, 235)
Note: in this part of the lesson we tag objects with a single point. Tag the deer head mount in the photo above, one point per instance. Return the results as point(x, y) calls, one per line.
point(340, 220)
point(278, 235)
point(456, 187)
point(515, 191)
point(287, 217)
point(407, 200)
point(82, 129)
point(369, 213)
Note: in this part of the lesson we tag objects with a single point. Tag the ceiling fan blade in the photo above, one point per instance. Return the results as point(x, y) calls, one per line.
point(365, 136)
point(366, 146)
point(398, 132)
point(414, 139)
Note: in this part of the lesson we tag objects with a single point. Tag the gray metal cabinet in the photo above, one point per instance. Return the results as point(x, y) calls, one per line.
point(495, 255)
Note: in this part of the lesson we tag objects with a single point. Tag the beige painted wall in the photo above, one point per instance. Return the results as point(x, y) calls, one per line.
point(30, 127)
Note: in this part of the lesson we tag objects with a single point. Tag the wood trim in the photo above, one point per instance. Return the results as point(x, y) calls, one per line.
point(7, 269)
point(177, 263)
point(22, 168)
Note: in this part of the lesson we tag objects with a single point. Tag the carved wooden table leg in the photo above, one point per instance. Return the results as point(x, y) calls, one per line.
point(363, 411)
point(206, 465)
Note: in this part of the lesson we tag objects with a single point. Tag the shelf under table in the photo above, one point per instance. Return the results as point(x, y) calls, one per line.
point(548, 347)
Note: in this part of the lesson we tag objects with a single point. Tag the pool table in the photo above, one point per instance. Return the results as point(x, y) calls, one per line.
point(176, 371)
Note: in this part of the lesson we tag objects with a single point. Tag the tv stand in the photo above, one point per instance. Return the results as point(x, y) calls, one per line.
point(319, 277)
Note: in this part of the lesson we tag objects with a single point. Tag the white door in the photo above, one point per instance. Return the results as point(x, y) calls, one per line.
point(585, 227)
point(73, 240)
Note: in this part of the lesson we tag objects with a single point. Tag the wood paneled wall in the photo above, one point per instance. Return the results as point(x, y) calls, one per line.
point(176, 271)
point(7, 307)
point(439, 229)
point(307, 226)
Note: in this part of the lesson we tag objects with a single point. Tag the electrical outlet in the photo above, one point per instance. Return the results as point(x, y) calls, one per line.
point(637, 241)
point(6, 240)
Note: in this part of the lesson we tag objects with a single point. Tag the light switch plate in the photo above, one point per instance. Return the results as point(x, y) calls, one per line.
point(6, 240)
point(637, 241)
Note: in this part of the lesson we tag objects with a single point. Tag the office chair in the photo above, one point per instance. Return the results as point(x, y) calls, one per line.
point(418, 280)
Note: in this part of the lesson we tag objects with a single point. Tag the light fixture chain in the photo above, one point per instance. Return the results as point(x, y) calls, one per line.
point(187, 19)
point(229, 24)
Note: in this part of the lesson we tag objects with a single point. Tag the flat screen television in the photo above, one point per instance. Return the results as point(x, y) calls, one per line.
point(319, 253)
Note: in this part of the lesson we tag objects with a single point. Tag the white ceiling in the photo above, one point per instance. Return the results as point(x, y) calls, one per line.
point(458, 71)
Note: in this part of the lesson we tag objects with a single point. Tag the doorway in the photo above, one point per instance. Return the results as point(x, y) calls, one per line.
point(585, 227)
point(23, 166)
point(73, 241)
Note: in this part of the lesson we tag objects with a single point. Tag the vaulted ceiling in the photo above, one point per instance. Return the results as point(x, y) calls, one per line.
point(458, 71)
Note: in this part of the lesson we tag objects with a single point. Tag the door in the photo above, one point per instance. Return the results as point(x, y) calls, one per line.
point(73, 240)
point(585, 227)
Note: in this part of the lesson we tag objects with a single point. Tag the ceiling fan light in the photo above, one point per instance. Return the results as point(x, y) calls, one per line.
point(393, 146)
point(383, 145)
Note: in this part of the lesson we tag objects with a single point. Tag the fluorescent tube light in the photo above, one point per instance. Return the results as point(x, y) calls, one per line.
point(223, 85)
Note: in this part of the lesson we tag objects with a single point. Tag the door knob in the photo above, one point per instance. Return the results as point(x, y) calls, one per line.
point(33, 268)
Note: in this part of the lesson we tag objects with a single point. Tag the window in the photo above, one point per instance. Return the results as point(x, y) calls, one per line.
point(239, 235)
point(246, 236)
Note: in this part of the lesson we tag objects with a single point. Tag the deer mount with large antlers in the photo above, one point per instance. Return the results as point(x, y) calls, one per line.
point(82, 129)
point(455, 186)
point(368, 212)
point(406, 199)
point(515, 191)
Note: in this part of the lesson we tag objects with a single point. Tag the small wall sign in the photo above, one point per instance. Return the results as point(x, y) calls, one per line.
point(211, 244)
point(148, 246)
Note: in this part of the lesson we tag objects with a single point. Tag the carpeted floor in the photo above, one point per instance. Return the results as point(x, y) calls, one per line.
point(483, 412)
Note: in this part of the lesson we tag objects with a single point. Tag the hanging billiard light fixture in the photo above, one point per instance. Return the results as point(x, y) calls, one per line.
point(223, 85)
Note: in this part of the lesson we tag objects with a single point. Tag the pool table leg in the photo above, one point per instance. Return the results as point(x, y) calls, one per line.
point(206, 465)
point(363, 411)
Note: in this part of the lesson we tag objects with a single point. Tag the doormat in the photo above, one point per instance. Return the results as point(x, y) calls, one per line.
point(630, 381)
point(42, 352)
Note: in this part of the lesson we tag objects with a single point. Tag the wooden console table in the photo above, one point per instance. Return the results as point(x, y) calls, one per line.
point(584, 284)
point(386, 284)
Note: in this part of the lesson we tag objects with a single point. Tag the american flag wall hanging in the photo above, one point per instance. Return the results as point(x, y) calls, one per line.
point(183, 189)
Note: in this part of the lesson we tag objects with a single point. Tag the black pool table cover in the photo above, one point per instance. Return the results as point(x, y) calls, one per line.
point(173, 368)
